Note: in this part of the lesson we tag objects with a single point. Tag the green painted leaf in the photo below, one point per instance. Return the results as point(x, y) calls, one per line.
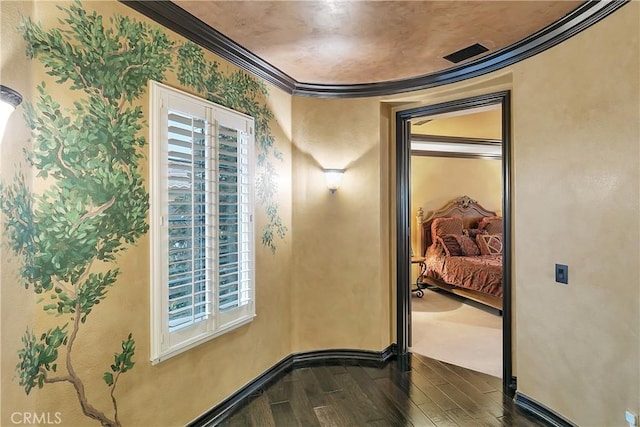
point(108, 378)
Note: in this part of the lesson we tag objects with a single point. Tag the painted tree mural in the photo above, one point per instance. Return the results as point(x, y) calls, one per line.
point(239, 91)
point(95, 204)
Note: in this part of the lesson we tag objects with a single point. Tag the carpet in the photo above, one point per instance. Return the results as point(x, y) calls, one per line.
point(447, 329)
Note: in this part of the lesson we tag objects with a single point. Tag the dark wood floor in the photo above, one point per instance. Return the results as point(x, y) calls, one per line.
point(431, 394)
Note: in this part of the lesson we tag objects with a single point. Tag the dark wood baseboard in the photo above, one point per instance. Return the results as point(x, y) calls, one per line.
point(224, 409)
point(540, 411)
point(343, 357)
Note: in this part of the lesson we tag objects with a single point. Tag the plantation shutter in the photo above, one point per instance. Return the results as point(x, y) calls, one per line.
point(235, 222)
point(201, 221)
point(189, 220)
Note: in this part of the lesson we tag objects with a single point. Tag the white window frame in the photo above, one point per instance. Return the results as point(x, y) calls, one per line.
point(166, 343)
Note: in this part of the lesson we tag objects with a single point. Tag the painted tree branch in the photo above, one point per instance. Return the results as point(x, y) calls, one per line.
point(61, 160)
point(53, 380)
point(98, 210)
point(87, 87)
point(71, 292)
point(77, 383)
point(113, 398)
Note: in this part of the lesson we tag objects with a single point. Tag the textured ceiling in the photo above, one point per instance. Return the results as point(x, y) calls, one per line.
point(354, 42)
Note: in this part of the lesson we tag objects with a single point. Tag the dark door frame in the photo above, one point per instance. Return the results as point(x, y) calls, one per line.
point(403, 230)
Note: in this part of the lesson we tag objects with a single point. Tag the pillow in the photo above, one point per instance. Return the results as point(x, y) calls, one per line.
point(493, 224)
point(468, 246)
point(450, 244)
point(448, 225)
point(489, 244)
point(473, 232)
point(458, 245)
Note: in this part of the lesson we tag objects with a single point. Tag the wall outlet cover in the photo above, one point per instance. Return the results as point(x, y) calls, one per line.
point(631, 418)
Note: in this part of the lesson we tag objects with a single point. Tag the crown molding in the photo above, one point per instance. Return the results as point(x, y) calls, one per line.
point(177, 19)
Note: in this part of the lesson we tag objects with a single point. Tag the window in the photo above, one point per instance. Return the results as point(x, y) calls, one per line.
point(202, 237)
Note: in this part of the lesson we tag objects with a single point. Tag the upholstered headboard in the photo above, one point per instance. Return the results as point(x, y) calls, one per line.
point(464, 207)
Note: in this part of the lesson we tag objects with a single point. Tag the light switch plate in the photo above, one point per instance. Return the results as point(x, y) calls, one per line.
point(562, 274)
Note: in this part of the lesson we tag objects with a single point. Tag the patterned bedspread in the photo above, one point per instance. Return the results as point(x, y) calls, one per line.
point(481, 273)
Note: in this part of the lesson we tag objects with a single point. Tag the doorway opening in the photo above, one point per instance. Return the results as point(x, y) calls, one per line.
point(405, 223)
point(456, 171)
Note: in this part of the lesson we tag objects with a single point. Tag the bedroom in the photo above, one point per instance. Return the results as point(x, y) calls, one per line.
point(444, 326)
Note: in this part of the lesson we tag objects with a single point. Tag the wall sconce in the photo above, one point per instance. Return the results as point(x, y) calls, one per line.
point(9, 100)
point(333, 178)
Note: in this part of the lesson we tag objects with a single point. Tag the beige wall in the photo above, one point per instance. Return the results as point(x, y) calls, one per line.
point(575, 129)
point(485, 125)
point(339, 295)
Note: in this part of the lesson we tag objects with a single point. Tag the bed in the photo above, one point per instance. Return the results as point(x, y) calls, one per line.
point(461, 244)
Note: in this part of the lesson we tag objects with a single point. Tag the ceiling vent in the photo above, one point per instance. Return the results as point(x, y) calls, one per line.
point(466, 53)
